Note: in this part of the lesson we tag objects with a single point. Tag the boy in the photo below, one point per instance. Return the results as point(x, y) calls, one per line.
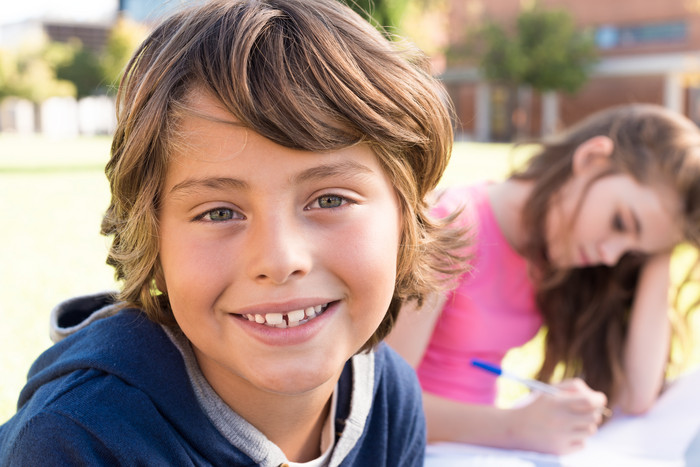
point(268, 175)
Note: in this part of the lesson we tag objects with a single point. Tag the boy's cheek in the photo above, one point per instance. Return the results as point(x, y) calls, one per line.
point(191, 265)
point(375, 257)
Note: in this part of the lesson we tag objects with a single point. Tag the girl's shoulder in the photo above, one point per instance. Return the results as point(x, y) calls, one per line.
point(471, 201)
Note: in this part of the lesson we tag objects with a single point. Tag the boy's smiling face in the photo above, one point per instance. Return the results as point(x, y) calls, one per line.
point(279, 264)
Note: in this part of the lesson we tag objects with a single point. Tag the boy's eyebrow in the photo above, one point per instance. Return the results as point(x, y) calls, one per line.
point(345, 168)
point(215, 183)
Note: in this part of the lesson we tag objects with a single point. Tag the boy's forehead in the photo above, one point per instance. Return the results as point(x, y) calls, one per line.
point(199, 121)
point(201, 114)
point(202, 104)
point(207, 132)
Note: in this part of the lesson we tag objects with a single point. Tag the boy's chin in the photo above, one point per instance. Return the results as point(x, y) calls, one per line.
point(298, 383)
point(300, 375)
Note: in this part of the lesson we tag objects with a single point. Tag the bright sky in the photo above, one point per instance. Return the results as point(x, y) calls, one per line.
point(17, 10)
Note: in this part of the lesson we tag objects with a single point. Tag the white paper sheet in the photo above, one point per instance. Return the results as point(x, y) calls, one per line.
point(660, 438)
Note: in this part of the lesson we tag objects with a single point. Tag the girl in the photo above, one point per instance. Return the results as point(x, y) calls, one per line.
point(579, 241)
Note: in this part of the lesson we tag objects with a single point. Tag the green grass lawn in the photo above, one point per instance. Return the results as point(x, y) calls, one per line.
point(52, 196)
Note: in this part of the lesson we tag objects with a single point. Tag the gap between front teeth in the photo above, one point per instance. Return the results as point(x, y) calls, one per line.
point(287, 320)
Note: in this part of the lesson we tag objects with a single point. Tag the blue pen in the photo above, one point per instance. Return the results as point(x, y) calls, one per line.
point(530, 383)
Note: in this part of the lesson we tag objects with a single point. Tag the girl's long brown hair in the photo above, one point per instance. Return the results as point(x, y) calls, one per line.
point(586, 310)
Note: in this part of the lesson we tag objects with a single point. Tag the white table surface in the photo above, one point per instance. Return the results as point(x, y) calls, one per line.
point(666, 436)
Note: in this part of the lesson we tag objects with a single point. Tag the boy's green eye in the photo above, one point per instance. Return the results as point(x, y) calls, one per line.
point(220, 214)
point(330, 201)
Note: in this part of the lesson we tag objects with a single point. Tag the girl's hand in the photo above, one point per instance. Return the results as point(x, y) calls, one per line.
point(561, 423)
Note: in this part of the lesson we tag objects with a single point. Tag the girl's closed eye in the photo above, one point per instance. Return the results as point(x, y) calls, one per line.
point(219, 215)
point(618, 223)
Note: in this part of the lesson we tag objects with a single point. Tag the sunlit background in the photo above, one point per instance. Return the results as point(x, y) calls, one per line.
point(513, 69)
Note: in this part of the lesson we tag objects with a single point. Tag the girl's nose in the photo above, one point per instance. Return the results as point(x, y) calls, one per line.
point(277, 250)
point(611, 251)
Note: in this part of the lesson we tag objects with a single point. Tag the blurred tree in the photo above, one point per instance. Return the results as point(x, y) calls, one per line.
point(40, 69)
point(425, 23)
point(547, 52)
point(30, 71)
point(125, 37)
point(544, 51)
point(8, 71)
point(37, 82)
point(385, 13)
point(80, 66)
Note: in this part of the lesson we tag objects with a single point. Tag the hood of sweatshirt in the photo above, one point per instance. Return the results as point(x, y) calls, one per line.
point(93, 333)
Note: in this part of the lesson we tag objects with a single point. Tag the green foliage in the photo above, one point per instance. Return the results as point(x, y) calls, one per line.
point(503, 60)
point(40, 69)
point(123, 40)
point(81, 67)
point(386, 14)
point(546, 52)
point(559, 56)
point(30, 72)
point(416, 20)
point(8, 69)
point(37, 82)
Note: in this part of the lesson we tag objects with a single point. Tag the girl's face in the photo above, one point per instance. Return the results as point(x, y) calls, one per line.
point(616, 215)
point(279, 264)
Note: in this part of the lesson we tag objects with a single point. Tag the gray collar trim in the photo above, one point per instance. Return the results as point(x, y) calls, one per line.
point(249, 439)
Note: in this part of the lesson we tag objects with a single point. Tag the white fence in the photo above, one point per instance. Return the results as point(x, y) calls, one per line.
point(59, 117)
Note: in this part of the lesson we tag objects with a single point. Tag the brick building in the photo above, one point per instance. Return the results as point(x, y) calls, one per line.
point(92, 35)
point(650, 52)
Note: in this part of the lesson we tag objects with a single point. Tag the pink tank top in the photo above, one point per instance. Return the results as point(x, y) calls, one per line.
point(490, 312)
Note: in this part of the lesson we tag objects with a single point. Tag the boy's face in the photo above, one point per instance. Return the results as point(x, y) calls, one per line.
point(279, 264)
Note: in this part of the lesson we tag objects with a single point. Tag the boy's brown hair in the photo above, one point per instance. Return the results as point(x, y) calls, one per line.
point(307, 74)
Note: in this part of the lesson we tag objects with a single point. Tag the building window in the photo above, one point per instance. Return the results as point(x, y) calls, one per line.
point(610, 37)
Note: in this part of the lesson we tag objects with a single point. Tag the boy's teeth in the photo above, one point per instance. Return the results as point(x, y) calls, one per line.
point(291, 319)
point(274, 318)
point(295, 316)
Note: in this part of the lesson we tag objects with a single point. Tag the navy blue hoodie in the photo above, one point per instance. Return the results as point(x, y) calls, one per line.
point(116, 391)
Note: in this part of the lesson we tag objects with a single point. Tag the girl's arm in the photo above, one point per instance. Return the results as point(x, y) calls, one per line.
point(413, 329)
point(553, 424)
point(648, 342)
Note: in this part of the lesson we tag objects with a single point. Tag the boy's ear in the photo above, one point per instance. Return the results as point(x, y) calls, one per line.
point(592, 154)
point(159, 278)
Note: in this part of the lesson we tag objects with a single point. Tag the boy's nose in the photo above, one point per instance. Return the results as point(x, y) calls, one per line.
point(277, 250)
